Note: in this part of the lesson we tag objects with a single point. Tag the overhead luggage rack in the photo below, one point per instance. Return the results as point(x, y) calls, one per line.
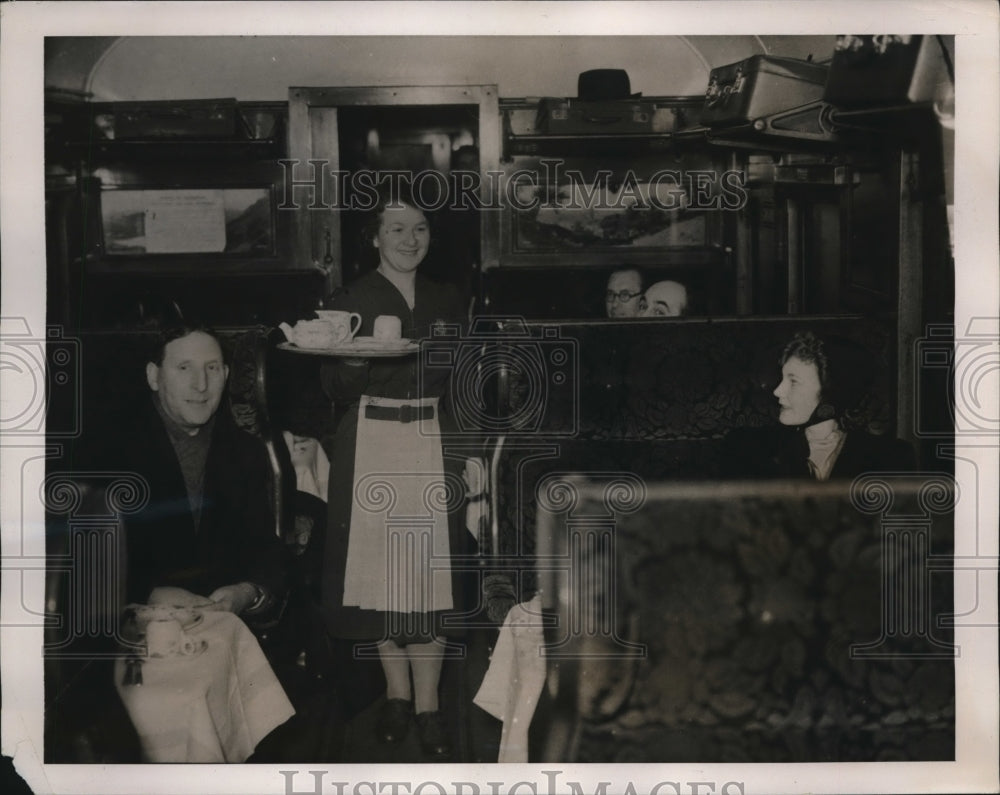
point(204, 130)
point(804, 127)
point(548, 125)
point(811, 122)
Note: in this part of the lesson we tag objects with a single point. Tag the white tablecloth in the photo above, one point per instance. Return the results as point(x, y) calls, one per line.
point(209, 707)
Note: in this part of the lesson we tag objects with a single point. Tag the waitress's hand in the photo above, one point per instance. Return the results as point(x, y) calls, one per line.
point(355, 361)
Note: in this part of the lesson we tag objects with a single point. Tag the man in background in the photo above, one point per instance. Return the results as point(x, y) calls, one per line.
point(624, 292)
point(664, 299)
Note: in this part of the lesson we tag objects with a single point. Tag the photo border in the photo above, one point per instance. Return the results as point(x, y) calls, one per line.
point(976, 317)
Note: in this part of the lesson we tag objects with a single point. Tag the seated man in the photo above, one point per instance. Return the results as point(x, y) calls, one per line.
point(624, 293)
point(207, 526)
point(664, 299)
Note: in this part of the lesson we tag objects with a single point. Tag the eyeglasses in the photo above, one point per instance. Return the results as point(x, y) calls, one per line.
point(623, 296)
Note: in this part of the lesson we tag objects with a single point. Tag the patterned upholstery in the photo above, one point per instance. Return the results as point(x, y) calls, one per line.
point(778, 622)
point(250, 398)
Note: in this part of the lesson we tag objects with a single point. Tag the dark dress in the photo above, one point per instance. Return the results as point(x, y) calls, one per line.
point(782, 452)
point(372, 295)
point(234, 541)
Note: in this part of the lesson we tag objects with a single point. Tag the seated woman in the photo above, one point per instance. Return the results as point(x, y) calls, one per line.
point(820, 436)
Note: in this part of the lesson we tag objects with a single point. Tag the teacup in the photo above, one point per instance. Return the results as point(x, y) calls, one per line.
point(387, 327)
point(344, 325)
point(165, 638)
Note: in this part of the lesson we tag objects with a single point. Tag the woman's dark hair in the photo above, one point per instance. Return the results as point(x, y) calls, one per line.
point(391, 199)
point(807, 347)
point(844, 368)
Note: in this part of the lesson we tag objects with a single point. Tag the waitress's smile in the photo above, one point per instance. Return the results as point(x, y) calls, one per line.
point(403, 238)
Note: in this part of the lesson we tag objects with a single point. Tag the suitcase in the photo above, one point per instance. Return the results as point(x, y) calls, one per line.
point(586, 117)
point(759, 86)
point(887, 70)
point(208, 118)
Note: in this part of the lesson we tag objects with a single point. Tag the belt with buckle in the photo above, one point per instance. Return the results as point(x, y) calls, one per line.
point(402, 413)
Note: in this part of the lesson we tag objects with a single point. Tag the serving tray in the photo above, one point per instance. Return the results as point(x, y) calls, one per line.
point(360, 348)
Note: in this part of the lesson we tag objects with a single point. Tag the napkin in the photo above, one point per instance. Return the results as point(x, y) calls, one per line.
point(514, 680)
point(177, 597)
point(312, 467)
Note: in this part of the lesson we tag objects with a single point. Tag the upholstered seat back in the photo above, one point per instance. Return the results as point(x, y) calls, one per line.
point(747, 622)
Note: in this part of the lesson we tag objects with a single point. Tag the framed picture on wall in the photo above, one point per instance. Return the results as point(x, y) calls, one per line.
point(640, 216)
point(585, 211)
point(148, 221)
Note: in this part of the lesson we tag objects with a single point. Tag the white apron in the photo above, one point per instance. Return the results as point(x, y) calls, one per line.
point(398, 552)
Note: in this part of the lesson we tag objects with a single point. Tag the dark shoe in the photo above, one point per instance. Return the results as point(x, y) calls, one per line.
point(433, 734)
point(393, 720)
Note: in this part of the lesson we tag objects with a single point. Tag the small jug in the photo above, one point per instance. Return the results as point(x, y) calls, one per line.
point(343, 322)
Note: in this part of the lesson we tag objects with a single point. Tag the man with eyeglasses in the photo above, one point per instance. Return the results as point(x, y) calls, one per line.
point(624, 293)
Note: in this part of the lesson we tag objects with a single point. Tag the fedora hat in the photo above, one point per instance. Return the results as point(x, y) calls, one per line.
point(604, 84)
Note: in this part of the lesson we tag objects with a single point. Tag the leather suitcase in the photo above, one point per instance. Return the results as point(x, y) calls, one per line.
point(585, 117)
point(759, 86)
point(887, 70)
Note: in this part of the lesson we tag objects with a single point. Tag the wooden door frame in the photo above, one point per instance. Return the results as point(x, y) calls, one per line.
point(310, 135)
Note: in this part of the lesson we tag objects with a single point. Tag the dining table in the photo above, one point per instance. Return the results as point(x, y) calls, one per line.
point(213, 704)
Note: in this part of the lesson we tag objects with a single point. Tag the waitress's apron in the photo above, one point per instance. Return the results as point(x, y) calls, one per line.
point(398, 552)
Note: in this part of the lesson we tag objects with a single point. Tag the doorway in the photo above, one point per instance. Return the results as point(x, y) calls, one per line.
point(424, 136)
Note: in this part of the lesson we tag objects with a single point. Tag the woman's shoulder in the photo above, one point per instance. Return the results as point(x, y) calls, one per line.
point(364, 288)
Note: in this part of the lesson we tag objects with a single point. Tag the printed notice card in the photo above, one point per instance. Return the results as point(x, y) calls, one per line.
point(181, 222)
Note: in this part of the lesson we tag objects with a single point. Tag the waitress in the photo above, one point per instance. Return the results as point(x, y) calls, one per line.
point(392, 522)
